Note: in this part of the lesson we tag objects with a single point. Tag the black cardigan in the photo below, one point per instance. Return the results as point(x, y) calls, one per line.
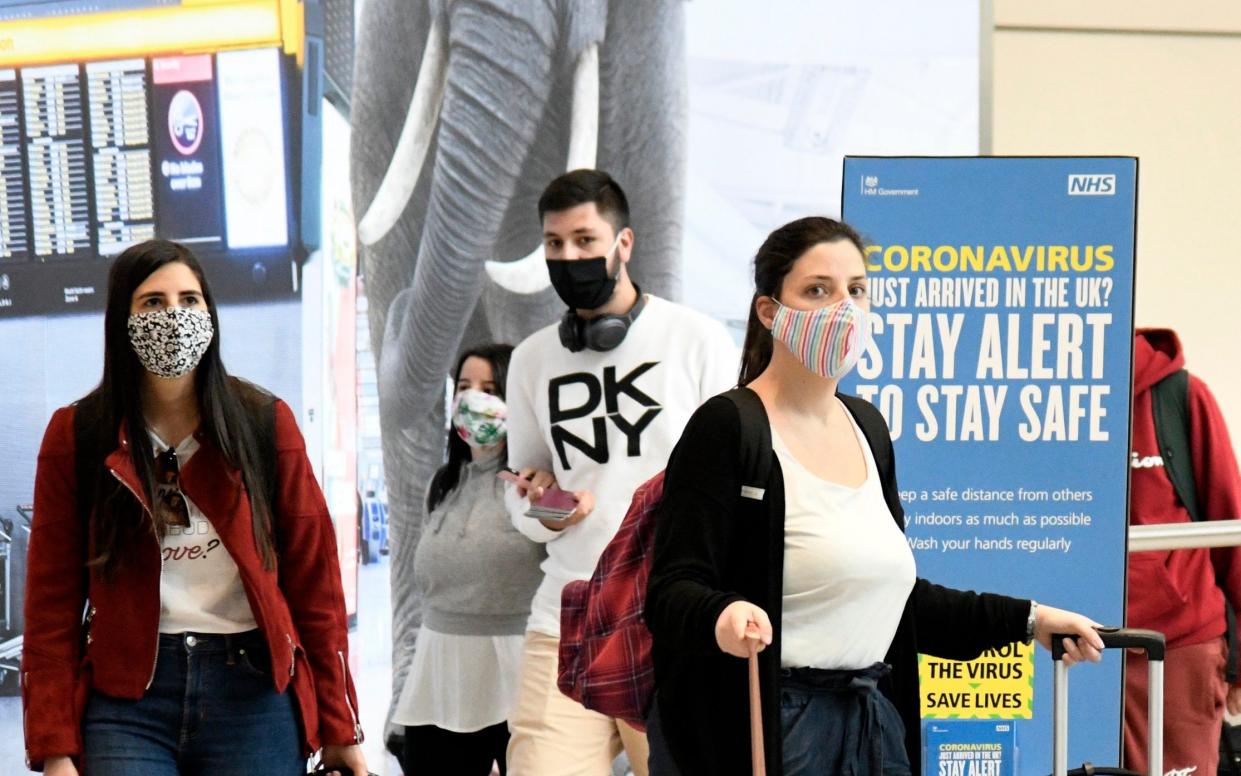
point(713, 548)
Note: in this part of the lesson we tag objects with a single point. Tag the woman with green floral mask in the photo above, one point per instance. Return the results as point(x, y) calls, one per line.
point(477, 576)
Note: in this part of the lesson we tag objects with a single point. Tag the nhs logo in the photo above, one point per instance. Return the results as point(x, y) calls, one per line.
point(1092, 185)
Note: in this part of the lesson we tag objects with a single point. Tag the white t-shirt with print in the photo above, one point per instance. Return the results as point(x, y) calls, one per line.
point(200, 588)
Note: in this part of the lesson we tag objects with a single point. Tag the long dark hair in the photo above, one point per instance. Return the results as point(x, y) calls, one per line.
point(772, 263)
point(449, 475)
point(118, 401)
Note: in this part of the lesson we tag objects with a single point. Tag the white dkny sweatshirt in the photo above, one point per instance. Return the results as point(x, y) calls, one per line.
point(606, 422)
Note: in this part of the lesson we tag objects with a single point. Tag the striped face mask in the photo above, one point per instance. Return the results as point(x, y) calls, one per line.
point(828, 341)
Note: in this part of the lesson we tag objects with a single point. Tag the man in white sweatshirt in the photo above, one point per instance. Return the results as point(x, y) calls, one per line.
point(595, 405)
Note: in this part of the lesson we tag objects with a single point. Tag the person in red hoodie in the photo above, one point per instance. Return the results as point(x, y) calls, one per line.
point(184, 611)
point(1181, 593)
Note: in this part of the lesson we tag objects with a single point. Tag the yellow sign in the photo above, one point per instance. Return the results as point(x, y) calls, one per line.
point(197, 26)
point(998, 685)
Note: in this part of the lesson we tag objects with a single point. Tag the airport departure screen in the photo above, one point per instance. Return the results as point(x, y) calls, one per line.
point(96, 156)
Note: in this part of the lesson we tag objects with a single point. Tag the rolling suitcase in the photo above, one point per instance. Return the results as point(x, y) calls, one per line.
point(1113, 638)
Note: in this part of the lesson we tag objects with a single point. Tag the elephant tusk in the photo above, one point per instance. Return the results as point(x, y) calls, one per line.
point(584, 134)
point(529, 275)
point(523, 276)
point(411, 148)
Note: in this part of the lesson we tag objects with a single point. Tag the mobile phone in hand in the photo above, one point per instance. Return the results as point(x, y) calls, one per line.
point(555, 505)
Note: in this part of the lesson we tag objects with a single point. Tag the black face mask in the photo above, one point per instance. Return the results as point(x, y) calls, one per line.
point(584, 284)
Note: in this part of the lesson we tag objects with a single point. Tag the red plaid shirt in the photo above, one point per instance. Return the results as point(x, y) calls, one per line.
point(605, 647)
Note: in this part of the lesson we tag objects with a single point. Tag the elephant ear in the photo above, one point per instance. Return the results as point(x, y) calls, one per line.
point(584, 24)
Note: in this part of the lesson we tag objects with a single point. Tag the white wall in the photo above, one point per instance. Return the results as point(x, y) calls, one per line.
point(1160, 81)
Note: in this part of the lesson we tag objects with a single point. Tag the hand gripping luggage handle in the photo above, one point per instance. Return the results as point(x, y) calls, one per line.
point(1152, 643)
point(1149, 641)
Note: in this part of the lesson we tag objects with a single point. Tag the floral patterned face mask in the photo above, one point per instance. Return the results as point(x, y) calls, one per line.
point(480, 419)
point(171, 342)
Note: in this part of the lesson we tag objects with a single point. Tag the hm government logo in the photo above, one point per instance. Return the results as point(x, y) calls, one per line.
point(1092, 185)
point(870, 188)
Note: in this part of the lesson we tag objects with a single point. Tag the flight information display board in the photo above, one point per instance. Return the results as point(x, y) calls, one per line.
point(121, 153)
point(14, 234)
point(55, 143)
point(98, 155)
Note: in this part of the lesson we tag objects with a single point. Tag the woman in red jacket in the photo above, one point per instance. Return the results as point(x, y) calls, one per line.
point(184, 611)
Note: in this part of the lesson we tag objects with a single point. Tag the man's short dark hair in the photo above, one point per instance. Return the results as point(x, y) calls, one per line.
point(582, 186)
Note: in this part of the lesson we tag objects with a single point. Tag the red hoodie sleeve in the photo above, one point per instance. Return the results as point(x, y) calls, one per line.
point(310, 580)
point(1218, 480)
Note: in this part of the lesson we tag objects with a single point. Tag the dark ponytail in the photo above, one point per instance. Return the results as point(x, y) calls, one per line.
point(772, 263)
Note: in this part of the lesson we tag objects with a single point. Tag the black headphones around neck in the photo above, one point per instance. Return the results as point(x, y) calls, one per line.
point(601, 333)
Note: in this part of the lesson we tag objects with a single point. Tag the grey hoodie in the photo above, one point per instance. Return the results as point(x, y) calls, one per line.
point(476, 573)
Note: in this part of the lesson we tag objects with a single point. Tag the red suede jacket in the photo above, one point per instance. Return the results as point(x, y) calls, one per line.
point(299, 607)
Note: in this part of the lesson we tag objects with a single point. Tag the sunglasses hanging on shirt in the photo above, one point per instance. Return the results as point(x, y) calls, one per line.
point(170, 506)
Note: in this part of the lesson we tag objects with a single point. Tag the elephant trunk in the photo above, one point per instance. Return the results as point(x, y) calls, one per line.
point(529, 275)
point(498, 80)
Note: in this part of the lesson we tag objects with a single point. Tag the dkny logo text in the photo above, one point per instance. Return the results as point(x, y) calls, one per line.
point(606, 392)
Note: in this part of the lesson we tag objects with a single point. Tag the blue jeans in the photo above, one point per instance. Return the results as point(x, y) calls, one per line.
point(838, 722)
point(211, 709)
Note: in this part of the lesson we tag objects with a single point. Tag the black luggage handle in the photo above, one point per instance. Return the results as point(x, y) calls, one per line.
point(1151, 642)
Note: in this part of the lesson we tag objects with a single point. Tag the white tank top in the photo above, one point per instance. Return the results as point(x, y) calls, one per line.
point(847, 567)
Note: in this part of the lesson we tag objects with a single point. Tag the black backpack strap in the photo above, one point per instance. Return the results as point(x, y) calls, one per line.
point(756, 452)
point(1230, 671)
point(88, 457)
point(83, 453)
point(1170, 406)
point(88, 460)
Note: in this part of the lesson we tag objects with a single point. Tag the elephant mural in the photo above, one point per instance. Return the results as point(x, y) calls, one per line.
point(462, 111)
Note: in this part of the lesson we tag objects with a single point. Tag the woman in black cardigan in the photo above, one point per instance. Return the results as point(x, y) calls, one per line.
point(826, 594)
